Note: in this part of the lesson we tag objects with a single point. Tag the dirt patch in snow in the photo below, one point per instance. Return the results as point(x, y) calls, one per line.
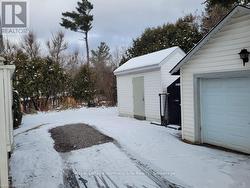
point(69, 179)
point(76, 136)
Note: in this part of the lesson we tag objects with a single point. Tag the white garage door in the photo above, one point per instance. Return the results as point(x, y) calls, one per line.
point(225, 113)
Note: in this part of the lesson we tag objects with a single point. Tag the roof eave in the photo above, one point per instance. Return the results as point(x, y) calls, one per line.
point(206, 38)
point(178, 49)
point(138, 70)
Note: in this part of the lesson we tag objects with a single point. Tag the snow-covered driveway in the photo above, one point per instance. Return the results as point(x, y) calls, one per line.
point(144, 155)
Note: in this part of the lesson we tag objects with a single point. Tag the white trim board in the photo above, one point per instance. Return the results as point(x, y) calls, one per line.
point(207, 37)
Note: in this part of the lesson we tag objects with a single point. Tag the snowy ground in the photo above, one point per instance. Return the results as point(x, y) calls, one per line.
point(143, 156)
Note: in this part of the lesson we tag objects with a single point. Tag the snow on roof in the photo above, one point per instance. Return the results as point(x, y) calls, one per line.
point(148, 60)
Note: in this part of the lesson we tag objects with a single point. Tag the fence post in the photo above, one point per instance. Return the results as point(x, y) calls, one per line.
point(3, 137)
point(6, 121)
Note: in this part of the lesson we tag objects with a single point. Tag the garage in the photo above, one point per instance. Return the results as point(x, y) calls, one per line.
point(215, 85)
point(225, 112)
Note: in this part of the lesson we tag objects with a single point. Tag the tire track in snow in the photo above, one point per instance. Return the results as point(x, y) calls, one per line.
point(148, 171)
point(69, 177)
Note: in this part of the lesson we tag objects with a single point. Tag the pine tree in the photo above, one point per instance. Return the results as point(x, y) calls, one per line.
point(54, 79)
point(225, 3)
point(101, 54)
point(36, 78)
point(28, 79)
point(83, 88)
point(105, 83)
point(185, 33)
point(80, 21)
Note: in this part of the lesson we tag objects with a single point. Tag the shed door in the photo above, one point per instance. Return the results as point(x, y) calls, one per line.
point(225, 113)
point(138, 97)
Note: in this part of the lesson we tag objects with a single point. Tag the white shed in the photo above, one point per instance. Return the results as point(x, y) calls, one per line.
point(215, 85)
point(142, 79)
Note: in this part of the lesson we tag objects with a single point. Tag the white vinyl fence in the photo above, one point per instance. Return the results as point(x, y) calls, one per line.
point(6, 120)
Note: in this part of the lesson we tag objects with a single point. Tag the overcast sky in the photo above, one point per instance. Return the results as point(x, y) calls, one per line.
point(116, 22)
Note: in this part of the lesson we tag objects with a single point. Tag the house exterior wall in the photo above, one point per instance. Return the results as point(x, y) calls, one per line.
point(152, 88)
point(220, 54)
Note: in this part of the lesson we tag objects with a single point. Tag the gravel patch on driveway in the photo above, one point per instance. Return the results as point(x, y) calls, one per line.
point(76, 136)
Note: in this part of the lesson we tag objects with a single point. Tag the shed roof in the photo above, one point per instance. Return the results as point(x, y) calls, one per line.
point(206, 38)
point(146, 62)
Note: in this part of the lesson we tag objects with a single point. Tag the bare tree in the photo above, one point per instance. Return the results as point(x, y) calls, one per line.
point(31, 46)
point(10, 50)
point(212, 17)
point(117, 56)
point(57, 45)
point(73, 62)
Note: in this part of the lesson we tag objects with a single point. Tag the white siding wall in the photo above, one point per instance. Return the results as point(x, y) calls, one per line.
point(218, 55)
point(167, 65)
point(152, 88)
point(3, 137)
point(6, 121)
point(125, 95)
